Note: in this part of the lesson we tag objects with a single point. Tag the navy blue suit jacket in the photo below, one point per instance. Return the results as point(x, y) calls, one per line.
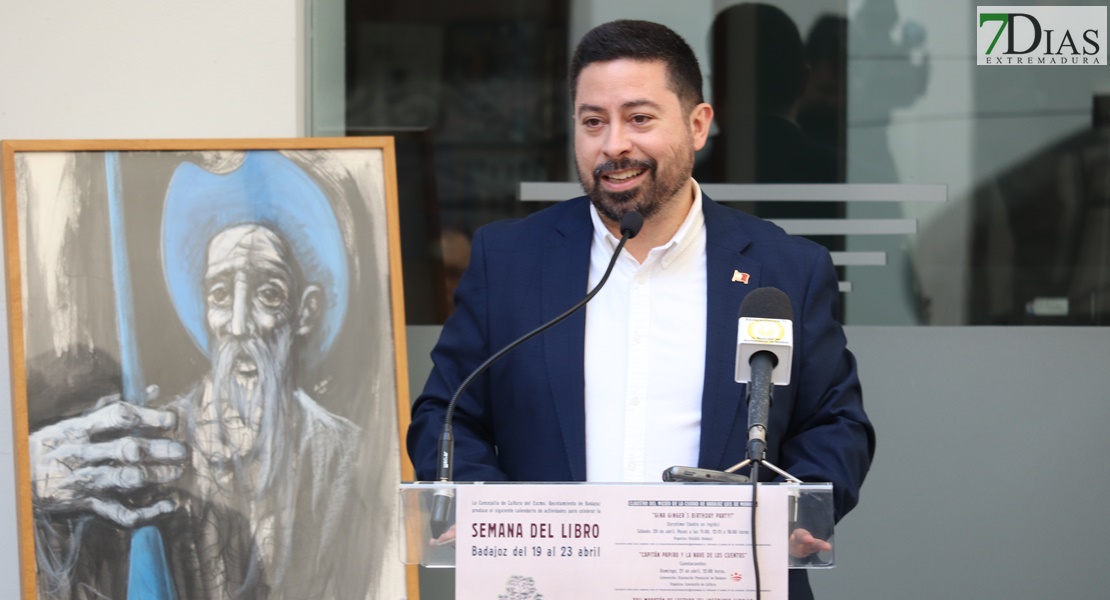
point(524, 420)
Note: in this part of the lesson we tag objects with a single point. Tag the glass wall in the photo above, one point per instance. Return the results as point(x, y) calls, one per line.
point(949, 193)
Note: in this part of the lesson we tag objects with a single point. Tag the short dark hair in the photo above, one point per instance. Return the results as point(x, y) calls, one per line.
point(642, 41)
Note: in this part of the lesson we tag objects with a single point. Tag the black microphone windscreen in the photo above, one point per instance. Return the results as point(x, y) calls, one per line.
point(631, 223)
point(766, 303)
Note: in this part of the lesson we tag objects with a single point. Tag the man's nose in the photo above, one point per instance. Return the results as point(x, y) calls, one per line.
point(240, 311)
point(617, 143)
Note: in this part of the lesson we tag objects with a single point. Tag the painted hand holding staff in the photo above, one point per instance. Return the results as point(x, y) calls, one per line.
point(109, 462)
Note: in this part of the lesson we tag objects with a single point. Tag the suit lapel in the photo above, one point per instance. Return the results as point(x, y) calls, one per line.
point(565, 277)
point(722, 398)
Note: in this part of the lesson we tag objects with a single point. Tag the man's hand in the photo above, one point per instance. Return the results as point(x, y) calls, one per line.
point(803, 544)
point(72, 473)
point(446, 539)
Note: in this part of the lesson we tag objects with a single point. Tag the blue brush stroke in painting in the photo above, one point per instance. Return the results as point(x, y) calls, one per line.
point(267, 189)
point(133, 388)
point(149, 576)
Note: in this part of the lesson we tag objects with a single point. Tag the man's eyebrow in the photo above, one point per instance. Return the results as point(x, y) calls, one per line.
point(638, 103)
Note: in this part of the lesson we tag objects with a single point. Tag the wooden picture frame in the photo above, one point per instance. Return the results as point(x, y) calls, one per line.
point(257, 283)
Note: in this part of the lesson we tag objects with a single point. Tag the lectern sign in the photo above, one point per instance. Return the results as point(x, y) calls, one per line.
point(625, 542)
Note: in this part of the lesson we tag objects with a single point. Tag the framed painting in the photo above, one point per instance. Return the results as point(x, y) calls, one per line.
point(208, 368)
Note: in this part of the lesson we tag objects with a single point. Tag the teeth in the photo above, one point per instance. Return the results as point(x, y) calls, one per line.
point(625, 175)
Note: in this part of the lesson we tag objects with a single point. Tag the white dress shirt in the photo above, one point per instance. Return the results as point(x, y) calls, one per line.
point(645, 355)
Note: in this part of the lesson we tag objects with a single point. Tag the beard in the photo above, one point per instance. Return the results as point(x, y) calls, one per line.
point(252, 388)
point(649, 197)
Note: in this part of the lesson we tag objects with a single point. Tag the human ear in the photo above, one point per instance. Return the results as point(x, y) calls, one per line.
point(700, 119)
point(308, 313)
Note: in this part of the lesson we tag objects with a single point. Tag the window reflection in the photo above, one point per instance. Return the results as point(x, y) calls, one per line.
point(486, 81)
point(874, 91)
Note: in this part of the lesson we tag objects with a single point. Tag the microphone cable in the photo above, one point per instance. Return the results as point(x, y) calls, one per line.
point(630, 226)
point(755, 546)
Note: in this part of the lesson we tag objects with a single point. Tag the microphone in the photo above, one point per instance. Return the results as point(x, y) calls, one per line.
point(630, 226)
point(764, 347)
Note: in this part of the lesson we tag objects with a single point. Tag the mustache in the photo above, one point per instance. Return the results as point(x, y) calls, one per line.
point(622, 164)
point(232, 350)
point(229, 354)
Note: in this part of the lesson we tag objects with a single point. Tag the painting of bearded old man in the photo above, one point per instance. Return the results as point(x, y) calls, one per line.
point(215, 416)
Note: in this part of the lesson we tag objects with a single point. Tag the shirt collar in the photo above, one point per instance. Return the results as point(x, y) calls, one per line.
point(691, 227)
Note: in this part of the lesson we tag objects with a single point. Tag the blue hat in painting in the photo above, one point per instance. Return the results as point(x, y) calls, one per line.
point(267, 189)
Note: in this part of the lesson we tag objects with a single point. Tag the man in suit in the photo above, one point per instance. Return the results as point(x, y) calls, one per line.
point(643, 378)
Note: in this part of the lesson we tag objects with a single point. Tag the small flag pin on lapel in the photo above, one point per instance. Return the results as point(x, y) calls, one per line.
point(741, 277)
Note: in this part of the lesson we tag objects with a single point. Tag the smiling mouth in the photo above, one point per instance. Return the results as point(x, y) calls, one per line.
point(623, 181)
point(623, 175)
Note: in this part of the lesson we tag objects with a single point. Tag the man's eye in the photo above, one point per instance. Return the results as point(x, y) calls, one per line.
point(271, 296)
point(641, 119)
point(219, 295)
point(592, 122)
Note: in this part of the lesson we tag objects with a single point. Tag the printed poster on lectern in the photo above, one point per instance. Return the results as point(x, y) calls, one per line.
point(625, 542)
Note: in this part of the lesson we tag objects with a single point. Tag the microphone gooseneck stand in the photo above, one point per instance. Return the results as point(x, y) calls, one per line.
point(757, 451)
point(767, 303)
point(630, 226)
